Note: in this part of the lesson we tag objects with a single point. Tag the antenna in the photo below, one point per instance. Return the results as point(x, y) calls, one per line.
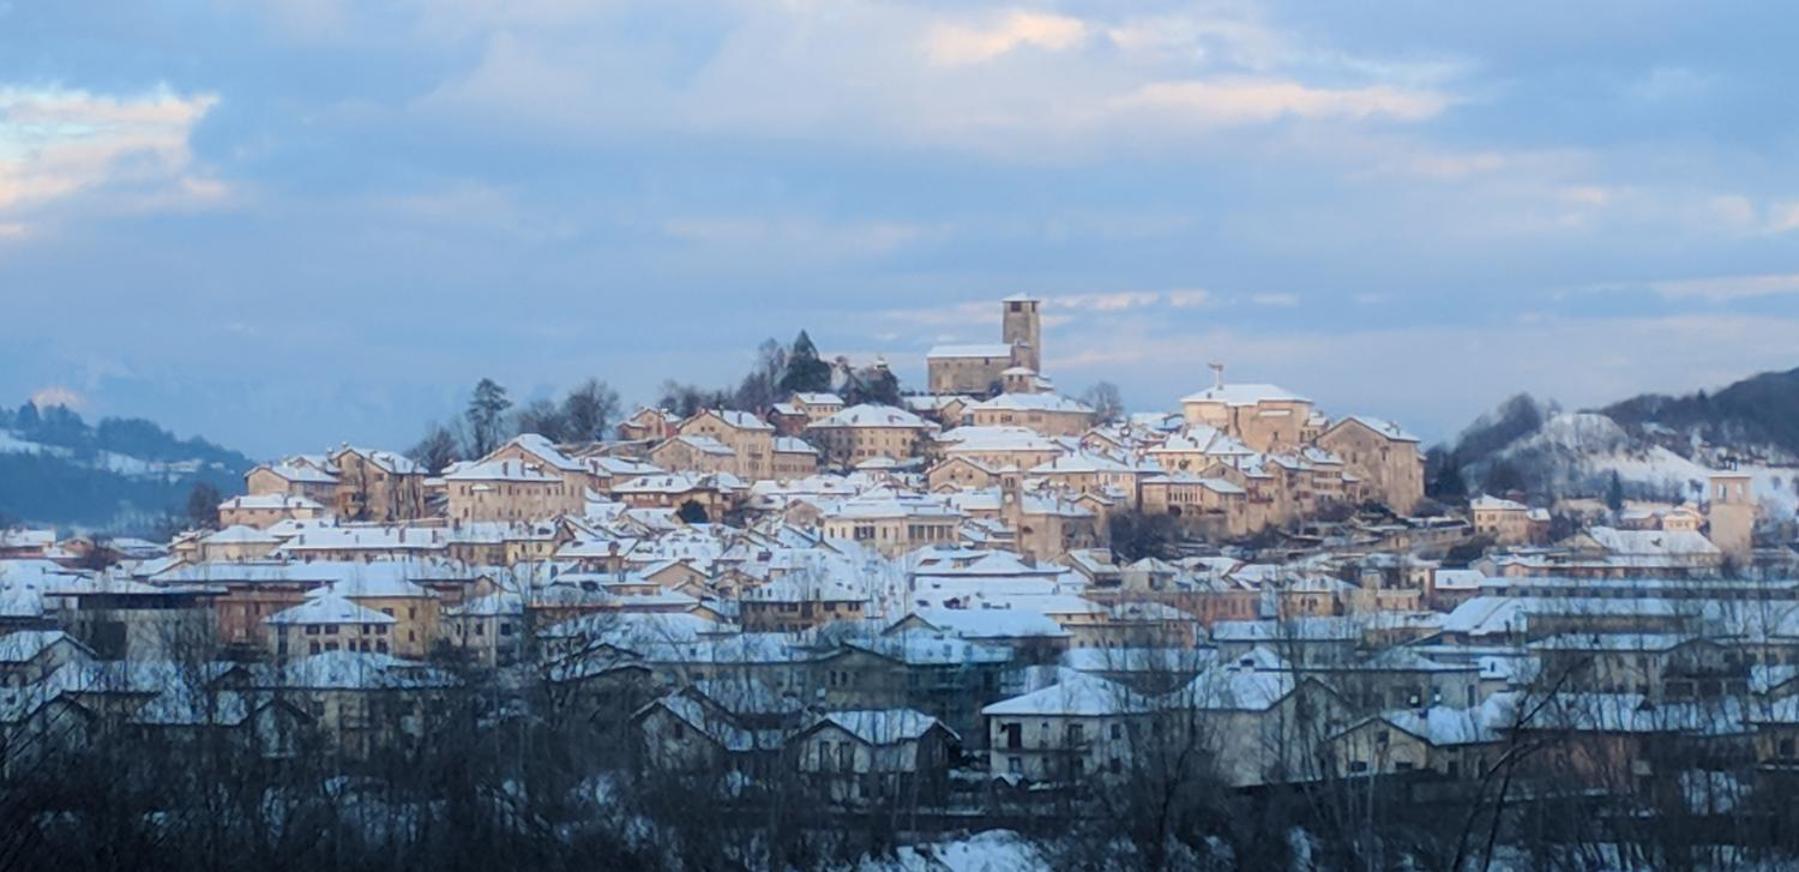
point(1217, 374)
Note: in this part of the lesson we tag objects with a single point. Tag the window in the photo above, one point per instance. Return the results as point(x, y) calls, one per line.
point(1015, 765)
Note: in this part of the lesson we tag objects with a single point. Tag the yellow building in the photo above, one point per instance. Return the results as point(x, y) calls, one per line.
point(1383, 456)
point(867, 431)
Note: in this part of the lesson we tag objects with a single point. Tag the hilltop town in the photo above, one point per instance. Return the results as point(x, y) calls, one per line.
point(978, 606)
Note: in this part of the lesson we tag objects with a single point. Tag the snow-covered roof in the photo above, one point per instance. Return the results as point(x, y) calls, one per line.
point(1384, 427)
point(871, 415)
point(1244, 395)
point(882, 726)
point(791, 445)
point(1033, 403)
point(270, 501)
point(993, 623)
point(543, 449)
point(1075, 694)
point(24, 646)
point(239, 534)
point(328, 609)
point(500, 470)
point(300, 473)
point(1491, 503)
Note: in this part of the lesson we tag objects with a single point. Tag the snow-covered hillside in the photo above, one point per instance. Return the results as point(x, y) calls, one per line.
point(119, 474)
point(1576, 454)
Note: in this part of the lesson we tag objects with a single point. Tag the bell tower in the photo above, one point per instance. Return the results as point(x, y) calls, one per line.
point(1023, 330)
point(1731, 516)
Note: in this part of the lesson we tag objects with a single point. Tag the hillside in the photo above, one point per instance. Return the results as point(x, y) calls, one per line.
point(121, 474)
point(1656, 446)
point(1757, 418)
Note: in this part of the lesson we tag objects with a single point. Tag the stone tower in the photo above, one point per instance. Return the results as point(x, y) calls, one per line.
point(1731, 515)
point(1023, 330)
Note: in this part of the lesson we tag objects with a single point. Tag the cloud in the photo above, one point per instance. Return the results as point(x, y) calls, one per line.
point(1021, 85)
point(58, 144)
point(960, 44)
point(1282, 301)
point(1720, 289)
point(1115, 302)
point(57, 395)
point(1232, 100)
point(796, 235)
point(1189, 299)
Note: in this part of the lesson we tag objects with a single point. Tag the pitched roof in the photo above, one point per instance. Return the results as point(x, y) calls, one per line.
point(1244, 395)
point(871, 415)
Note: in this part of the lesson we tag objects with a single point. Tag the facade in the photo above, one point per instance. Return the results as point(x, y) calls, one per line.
point(509, 490)
point(1731, 515)
point(1383, 456)
point(750, 438)
point(267, 510)
point(980, 369)
point(1264, 417)
point(1045, 414)
point(1505, 521)
point(867, 431)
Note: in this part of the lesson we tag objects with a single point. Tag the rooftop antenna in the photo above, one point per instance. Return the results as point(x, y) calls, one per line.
point(1217, 374)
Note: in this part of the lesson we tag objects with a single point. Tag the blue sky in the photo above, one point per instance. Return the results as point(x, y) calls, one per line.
point(291, 223)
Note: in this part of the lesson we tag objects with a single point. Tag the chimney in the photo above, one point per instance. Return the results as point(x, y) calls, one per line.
point(1217, 374)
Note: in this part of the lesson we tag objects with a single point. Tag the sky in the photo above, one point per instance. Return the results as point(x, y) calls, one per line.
point(285, 224)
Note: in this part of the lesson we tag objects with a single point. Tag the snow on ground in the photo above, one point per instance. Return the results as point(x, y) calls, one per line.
point(990, 851)
point(1596, 447)
point(10, 443)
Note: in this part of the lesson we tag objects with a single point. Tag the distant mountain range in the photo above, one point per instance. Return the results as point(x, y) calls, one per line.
point(1655, 445)
point(121, 475)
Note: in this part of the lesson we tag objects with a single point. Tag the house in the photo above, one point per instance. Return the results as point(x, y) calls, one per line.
point(328, 623)
point(1046, 414)
point(296, 477)
point(490, 630)
point(1264, 417)
point(648, 425)
point(1446, 741)
point(1504, 521)
point(512, 490)
point(31, 656)
point(266, 510)
point(794, 458)
point(361, 702)
point(539, 453)
point(1077, 730)
point(867, 431)
point(1382, 455)
point(696, 453)
point(237, 544)
point(375, 485)
point(1000, 447)
point(873, 756)
point(892, 522)
point(750, 438)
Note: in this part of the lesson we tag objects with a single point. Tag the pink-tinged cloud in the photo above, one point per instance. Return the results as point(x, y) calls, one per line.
point(56, 143)
point(961, 44)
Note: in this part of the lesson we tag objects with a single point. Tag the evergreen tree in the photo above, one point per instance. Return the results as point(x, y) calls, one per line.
point(486, 411)
point(203, 506)
point(805, 372)
point(1614, 492)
